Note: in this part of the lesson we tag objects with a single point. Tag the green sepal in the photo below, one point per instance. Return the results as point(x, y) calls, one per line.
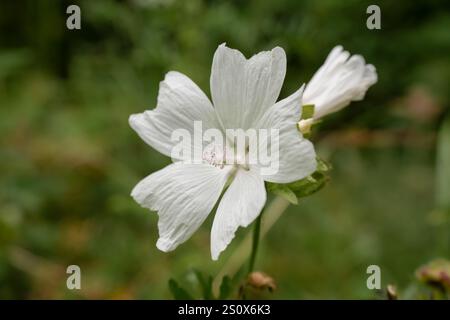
point(307, 111)
point(304, 187)
point(283, 191)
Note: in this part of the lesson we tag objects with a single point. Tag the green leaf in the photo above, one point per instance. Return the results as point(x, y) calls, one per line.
point(226, 287)
point(205, 284)
point(307, 111)
point(283, 191)
point(178, 292)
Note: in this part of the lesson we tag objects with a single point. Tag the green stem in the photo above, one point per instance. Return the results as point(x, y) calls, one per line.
point(255, 243)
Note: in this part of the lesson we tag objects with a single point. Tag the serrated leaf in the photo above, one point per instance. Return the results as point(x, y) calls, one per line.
point(178, 292)
point(307, 111)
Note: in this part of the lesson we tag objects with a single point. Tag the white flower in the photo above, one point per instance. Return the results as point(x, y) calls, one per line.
point(244, 94)
point(340, 80)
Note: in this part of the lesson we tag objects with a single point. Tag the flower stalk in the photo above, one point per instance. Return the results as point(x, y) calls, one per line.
point(255, 243)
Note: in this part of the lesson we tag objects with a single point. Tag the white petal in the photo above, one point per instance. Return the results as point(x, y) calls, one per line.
point(297, 158)
point(242, 90)
point(239, 206)
point(183, 195)
point(180, 103)
point(339, 81)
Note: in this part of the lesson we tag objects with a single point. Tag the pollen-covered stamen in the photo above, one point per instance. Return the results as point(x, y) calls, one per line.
point(214, 155)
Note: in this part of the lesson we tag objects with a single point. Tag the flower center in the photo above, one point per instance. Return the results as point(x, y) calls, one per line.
point(218, 156)
point(214, 155)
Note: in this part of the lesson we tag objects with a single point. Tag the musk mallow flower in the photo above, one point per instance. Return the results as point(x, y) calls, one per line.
point(340, 80)
point(244, 95)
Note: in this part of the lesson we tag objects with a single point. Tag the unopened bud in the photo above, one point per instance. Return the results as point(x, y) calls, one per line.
point(261, 281)
point(305, 125)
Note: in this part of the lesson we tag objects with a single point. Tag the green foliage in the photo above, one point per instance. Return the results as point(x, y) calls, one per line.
point(178, 292)
point(227, 287)
point(206, 284)
point(305, 187)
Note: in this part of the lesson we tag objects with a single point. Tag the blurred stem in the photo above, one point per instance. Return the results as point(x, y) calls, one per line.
point(271, 214)
point(443, 183)
point(255, 243)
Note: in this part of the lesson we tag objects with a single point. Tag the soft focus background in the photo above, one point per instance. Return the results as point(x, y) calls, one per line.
point(68, 158)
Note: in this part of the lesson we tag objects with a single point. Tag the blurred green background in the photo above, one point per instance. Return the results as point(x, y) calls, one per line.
point(68, 158)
